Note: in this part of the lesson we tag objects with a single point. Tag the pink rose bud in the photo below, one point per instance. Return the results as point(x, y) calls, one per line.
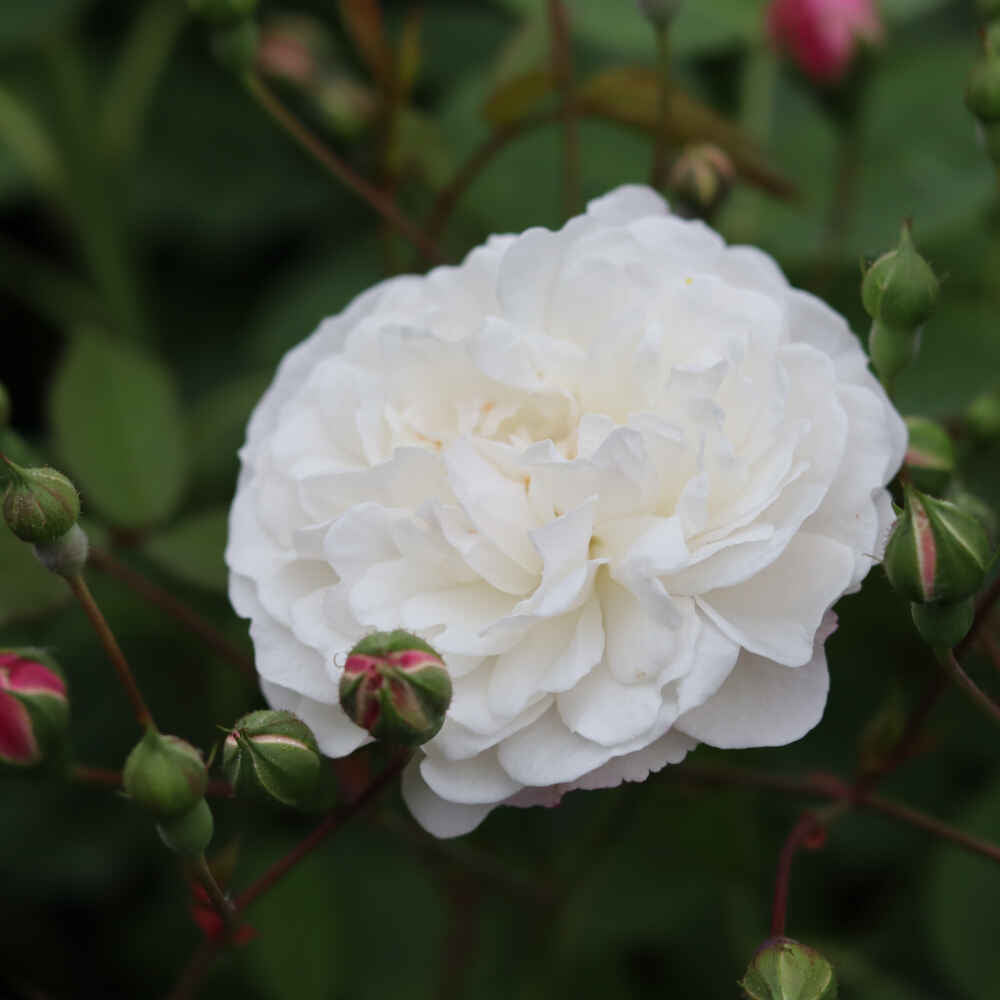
point(34, 709)
point(396, 686)
point(822, 36)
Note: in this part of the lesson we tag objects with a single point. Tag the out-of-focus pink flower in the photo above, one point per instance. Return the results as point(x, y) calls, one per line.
point(822, 36)
point(33, 707)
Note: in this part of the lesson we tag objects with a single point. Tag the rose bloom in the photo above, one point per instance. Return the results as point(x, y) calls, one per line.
point(617, 475)
point(823, 35)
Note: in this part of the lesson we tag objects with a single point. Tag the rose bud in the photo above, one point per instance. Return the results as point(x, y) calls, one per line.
point(701, 178)
point(976, 507)
point(785, 970)
point(943, 625)
point(891, 350)
point(272, 755)
point(222, 10)
point(191, 832)
point(982, 92)
point(983, 415)
point(900, 289)
point(660, 12)
point(165, 775)
point(930, 455)
point(823, 36)
point(40, 505)
point(34, 708)
point(937, 551)
point(396, 686)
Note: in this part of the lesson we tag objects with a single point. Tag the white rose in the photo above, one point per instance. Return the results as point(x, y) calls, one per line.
point(616, 474)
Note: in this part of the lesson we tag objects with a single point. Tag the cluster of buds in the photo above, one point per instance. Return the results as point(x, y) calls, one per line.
point(234, 31)
point(701, 179)
point(937, 558)
point(167, 777)
point(34, 707)
point(783, 969)
point(397, 687)
point(982, 92)
point(272, 755)
point(899, 292)
point(41, 507)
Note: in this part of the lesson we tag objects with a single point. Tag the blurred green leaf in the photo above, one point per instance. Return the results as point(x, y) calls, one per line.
point(25, 21)
point(27, 142)
point(192, 549)
point(25, 588)
point(117, 423)
point(961, 904)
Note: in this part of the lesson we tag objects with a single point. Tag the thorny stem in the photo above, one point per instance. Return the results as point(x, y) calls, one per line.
point(378, 200)
point(82, 593)
point(182, 613)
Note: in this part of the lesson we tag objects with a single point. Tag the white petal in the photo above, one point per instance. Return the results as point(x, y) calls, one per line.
point(436, 815)
point(476, 781)
point(604, 711)
point(671, 748)
point(625, 204)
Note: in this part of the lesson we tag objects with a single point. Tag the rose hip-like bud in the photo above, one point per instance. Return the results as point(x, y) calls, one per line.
point(785, 970)
point(937, 552)
point(222, 10)
point(396, 686)
point(165, 775)
point(976, 507)
point(701, 178)
point(900, 288)
point(983, 415)
point(930, 455)
point(190, 833)
point(40, 505)
point(982, 92)
point(944, 625)
point(34, 707)
point(891, 350)
point(823, 36)
point(272, 755)
point(660, 12)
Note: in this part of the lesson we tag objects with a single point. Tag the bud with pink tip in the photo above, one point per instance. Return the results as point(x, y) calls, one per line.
point(34, 708)
point(396, 686)
point(823, 36)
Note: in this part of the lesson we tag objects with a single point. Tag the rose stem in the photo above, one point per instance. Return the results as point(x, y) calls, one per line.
point(182, 613)
point(383, 205)
point(659, 174)
point(967, 685)
point(562, 73)
point(82, 593)
point(806, 828)
point(220, 901)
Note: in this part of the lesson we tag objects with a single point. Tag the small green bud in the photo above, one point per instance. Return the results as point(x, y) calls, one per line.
point(982, 92)
point(222, 11)
point(235, 46)
point(165, 775)
point(5, 407)
point(190, 833)
point(900, 289)
point(937, 552)
point(891, 350)
point(785, 970)
point(67, 555)
point(396, 686)
point(272, 755)
point(944, 624)
point(983, 415)
point(40, 505)
point(975, 506)
point(930, 455)
point(701, 179)
point(660, 12)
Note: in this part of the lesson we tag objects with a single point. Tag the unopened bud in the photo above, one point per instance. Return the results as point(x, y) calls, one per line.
point(983, 415)
point(900, 288)
point(190, 833)
point(396, 686)
point(67, 555)
point(944, 625)
point(272, 755)
point(930, 455)
point(660, 12)
point(785, 970)
point(976, 507)
point(937, 552)
point(40, 505)
point(165, 775)
point(34, 707)
point(4, 407)
point(701, 178)
point(982, 92)
point(222, 11)
point(891, 350)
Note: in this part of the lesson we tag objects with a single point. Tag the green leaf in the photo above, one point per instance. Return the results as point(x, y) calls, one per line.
point(961, 904)
point(192, 549)
point(26, 590)
point(117, 424)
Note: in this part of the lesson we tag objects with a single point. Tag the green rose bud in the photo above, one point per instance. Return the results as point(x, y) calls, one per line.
point(396, 686)
point(39, 505)
point(983, 415)
point(272, 755)
point(222, 11)
point(982, 92)
point(937, 552)
point(701, 178)
point(165, 775)
point(976, 507)
point(190, 833)
point(786, 970)
point(891, 349)
point(944, 625)
point(930, 455)
point(900, 289)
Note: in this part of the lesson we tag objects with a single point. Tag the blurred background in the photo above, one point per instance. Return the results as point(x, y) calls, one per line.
point(163, 243)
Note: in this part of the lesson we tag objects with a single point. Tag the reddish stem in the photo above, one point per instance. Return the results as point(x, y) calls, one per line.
point(807, 829)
